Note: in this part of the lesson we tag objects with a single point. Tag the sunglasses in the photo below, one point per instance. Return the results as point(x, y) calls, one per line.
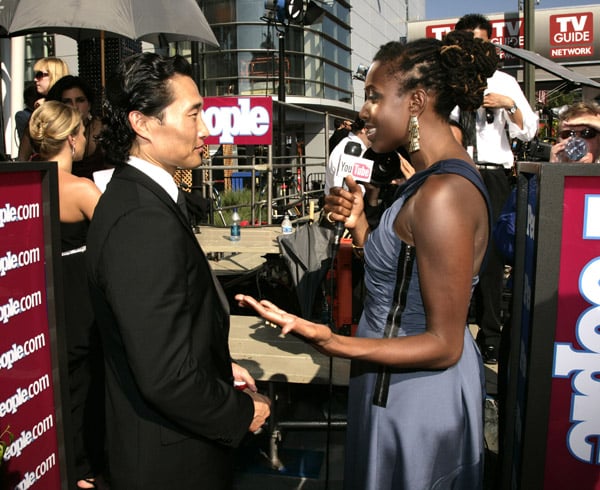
point(38, 75)
point(586, 134)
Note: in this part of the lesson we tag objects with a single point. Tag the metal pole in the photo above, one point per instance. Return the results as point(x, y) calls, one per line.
point(270, 186)
point(281, 92)
point(529, 68)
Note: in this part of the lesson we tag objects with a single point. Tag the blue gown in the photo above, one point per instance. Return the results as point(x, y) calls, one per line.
point(430, 434)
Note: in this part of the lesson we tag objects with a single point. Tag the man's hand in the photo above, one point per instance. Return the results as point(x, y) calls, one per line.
point(262, 410)
point(497, 101)
point(241, 374)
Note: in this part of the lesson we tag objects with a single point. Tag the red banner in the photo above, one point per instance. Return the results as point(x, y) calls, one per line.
point(27, 409)
point(565, 35)
point(573, 443)
point(238, 120)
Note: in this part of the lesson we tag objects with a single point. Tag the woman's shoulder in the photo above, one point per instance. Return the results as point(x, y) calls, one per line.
point(73, 183)
point(451, 179)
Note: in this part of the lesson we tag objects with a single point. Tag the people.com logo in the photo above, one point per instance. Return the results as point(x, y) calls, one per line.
point(239, 120)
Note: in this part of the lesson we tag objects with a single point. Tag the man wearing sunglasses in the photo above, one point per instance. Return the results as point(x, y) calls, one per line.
point(578, 120)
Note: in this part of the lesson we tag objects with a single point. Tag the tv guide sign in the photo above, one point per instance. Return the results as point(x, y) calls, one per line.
point(561, 34)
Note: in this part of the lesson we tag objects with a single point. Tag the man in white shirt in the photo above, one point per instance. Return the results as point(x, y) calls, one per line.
point(505, 112)
point(504, 107)
point(358, 135)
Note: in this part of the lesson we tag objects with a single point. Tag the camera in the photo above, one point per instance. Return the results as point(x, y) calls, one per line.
point(538, 151)
point(386, 166)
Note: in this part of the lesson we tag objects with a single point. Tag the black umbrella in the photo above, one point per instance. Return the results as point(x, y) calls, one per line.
point(550, 66)
point(307, 253)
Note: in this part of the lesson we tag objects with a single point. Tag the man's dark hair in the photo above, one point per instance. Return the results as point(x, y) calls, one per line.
point(141, 83)
point(474, 21)
point(357, 125)
point(30, 95)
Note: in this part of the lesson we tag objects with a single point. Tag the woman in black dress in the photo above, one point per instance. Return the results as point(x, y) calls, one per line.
point(57, 134)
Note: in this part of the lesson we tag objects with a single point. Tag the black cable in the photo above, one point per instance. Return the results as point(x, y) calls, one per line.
point(334, 250)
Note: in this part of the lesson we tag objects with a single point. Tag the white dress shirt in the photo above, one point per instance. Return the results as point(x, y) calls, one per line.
point(493, 145)
point(157, 174)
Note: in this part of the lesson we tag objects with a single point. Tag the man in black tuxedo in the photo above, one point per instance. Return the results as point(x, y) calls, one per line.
point(173, 415)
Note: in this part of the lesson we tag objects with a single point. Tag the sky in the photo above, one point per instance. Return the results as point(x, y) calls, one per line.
point(441, 9)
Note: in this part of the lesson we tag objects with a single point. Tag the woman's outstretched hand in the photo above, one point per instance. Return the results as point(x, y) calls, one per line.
point(313, 332)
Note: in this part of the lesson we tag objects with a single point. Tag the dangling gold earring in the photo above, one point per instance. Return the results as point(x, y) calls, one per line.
point(413, 129)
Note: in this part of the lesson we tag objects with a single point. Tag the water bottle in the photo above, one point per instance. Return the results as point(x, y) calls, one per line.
point(286, 226)
point(234, 234)
point(576, 148)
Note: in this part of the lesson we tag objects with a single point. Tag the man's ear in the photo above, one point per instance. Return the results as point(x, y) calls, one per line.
point(139, 123)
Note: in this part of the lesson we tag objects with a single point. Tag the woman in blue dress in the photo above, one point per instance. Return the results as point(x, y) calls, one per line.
point(416, 392)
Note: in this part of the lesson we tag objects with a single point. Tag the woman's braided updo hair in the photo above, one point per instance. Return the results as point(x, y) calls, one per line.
point(50, 125)
point(456, 69)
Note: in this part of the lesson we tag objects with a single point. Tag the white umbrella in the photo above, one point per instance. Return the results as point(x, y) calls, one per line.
point(154, 21)
point(143, 20)
point(7, 11)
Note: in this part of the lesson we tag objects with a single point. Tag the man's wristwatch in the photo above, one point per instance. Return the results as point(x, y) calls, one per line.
point(513, 109)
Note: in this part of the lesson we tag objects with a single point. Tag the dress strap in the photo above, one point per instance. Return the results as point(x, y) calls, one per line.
point(73, 251)
point(406, 260)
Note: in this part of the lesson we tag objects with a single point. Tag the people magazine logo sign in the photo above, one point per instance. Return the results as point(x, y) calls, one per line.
point(29, 445)
point(572, 35)
point(238, 120)
point(572, 445)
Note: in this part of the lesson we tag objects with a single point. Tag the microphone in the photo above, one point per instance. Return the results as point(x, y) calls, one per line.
point(353, 148)
point(360, 168)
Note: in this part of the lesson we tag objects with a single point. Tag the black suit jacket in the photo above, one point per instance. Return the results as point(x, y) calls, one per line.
point(173, 416)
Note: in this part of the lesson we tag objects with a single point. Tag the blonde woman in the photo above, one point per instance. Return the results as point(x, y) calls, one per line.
point(46, 72)
point(57, 134)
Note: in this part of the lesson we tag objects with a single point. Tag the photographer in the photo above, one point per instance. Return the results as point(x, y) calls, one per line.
point(358, 135)
point(580, 120)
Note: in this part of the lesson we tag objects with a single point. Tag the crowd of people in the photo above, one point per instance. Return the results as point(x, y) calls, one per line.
point(153, 402)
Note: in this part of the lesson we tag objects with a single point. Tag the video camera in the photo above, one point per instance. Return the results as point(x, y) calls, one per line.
point(538, 151)
point(532, 151)
point(386, 166)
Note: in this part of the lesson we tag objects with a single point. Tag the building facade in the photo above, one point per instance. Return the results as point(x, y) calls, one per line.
point(318, 62)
